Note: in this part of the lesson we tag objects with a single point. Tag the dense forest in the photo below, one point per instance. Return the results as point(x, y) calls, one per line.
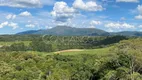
point(48, 43)
point(34, 57)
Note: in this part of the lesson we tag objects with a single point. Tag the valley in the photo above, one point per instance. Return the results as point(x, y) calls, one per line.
point(61, 58)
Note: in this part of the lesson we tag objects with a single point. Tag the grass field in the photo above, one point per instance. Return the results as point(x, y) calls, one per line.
point(99, 52)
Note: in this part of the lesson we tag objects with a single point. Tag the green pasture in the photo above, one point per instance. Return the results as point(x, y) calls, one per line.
point(99, 52)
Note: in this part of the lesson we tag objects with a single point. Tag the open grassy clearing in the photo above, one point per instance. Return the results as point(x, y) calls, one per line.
point(99, 52)
point(70, 50)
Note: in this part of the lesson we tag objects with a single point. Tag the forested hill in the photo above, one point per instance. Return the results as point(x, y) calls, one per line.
point(72, 31)
point(68, 31)
point(127, 33)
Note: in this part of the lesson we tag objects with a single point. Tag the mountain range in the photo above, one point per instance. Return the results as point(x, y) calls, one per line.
point(72, 31)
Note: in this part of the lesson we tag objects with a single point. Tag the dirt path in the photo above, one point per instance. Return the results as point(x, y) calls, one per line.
point(70, 50)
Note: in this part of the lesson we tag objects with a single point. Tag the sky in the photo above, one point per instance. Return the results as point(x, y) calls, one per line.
point(109, 15)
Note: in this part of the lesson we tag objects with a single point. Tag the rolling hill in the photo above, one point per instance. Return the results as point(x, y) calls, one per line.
point(127, 33)
point(72, 31)
point(68, 31)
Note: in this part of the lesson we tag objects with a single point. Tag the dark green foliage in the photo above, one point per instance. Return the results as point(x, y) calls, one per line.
point(128, 33)
point(29, 66)
point(12, 38)
point(112, 39)
point(123, 62)
point(56, 43)
point(40, 46)
point(48, 43)
point(17, 47)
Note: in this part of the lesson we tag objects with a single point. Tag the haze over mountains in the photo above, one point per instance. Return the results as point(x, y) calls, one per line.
point(72, 31)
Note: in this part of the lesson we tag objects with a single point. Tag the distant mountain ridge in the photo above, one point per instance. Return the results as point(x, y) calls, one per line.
point(68, 31)
point(127, 33)
point(72, 31)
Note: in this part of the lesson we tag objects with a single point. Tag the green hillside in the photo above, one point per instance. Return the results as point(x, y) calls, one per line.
point(72, 31)
point(69, 31)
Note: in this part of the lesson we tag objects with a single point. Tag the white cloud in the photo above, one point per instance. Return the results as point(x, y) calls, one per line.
point(93, 22)
point(21, 3)
point(39, 21)
point(48, 27)
point(140, 26)
point(3, 24)
point(13, 25)
point(135, 1)
point(62, 12)
point(26, 13)
point(30, 25)
point(119, 25)
point(139, 9)
point(91, 27)
point(10, 16)
point(26, 3)
point(138, 17)
point(88, 6)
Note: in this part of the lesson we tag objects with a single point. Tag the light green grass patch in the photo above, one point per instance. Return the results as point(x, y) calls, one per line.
point(99, 52)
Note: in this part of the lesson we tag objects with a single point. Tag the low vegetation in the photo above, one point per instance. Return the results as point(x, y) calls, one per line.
point(94, 58)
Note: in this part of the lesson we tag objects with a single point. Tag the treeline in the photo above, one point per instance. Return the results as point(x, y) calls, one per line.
point(57, 43)
point(123, 62)
point(11, 38)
